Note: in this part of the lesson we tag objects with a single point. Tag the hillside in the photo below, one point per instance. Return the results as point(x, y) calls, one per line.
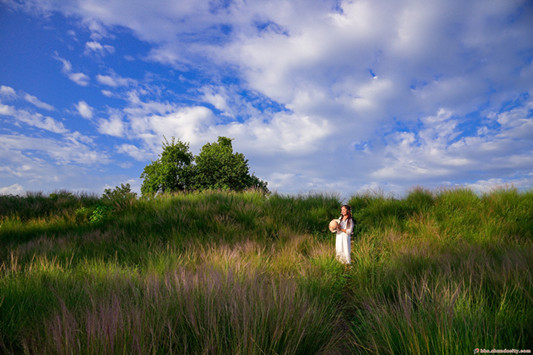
point(218, 272)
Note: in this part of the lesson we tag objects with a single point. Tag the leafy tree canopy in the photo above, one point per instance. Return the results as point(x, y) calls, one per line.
point(217, 167)
point(171, 171)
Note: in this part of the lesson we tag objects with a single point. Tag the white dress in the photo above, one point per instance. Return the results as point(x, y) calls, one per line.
point(342, 243)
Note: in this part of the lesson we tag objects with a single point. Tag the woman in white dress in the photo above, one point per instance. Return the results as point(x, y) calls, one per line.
point(344, 231)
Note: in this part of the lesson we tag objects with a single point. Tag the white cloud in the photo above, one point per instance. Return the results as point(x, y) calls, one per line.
point(47, 123)
point(441, 150)
point(41, 164)
point(7, 110)
point(35, 101)
point(216, 97)
point(14, 189)
point(282, 180)
point(7, 92)
point(10, 94)
point(284, 133)
point(320, 51)
point(397, 77)
point(98, 48)
point(33, 119)
point(188, 124)
point(84, 110)
point(263, 135)
point(489, 185)
point(135, 152)
point(114, 126)
point(114, 80)
point(79, 78)
point(62, 151)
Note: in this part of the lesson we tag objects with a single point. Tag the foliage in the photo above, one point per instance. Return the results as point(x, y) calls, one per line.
point(100, 213)
point(217, 167)
point(93, 215)
point(83, 214)
point(170, 172)
point(120, 197)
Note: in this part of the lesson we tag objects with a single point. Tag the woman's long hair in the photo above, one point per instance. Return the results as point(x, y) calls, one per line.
point(350, 218)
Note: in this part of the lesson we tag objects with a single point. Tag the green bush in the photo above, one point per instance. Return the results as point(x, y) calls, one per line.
point(100, 214)
point(82, 214)
point(120, 197)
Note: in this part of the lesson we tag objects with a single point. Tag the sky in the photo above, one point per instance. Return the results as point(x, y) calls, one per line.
point(337, 97)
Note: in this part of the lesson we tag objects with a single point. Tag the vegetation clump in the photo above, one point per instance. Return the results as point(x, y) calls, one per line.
point(243, 272)
point(216, 167)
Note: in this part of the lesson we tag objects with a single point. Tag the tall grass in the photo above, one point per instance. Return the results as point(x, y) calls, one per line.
point(203, 311)
point(451, 272)
point(221, 272)
point(202, 273)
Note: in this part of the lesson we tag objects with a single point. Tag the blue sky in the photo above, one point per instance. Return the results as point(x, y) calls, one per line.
point(326, 96)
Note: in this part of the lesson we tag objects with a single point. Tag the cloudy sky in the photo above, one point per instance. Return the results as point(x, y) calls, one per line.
point(320, 96)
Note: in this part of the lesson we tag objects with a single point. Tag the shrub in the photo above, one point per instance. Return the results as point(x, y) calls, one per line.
point(82, 214)
point(100, 213)
point(120, 197)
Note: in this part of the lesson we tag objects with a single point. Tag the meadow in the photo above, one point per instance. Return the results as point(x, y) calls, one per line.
point(435, 272)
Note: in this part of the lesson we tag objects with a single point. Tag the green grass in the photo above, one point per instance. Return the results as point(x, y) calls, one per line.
point(220, 272)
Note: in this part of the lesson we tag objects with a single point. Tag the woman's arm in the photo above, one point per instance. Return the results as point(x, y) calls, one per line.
point(350, 226)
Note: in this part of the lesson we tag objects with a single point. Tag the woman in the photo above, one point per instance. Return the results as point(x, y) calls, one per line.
point(344, 231)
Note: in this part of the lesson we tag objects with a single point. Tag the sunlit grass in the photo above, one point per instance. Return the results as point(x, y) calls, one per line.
point(447, 278)
point(221, 272)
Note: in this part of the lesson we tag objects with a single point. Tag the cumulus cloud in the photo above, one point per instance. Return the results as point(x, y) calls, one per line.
point(325, 50)
point(440, 149)
point(84, 110)
point(284, 132)
point(114, 126)
point(384, 90)
point(189, 124)
point(264, 134)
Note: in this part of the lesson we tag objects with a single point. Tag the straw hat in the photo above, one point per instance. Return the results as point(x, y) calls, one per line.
point(333, 225)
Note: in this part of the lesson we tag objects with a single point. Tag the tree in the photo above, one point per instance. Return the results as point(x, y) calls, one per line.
point(218, 167)
point(171, 172)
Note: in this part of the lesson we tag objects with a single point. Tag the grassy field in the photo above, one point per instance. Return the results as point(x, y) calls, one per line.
point(440, 272)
